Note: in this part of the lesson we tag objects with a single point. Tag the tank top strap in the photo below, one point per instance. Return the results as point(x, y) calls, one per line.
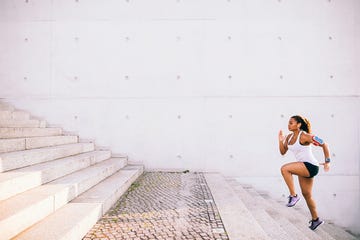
point(291, 137)
point(298, 140)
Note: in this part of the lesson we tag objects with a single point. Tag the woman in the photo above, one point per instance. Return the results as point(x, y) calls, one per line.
point(306, 166)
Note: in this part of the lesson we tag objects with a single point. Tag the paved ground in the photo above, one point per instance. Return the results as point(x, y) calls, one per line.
point(164, 206)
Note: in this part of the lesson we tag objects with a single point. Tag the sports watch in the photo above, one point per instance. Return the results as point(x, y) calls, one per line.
point(327, 160)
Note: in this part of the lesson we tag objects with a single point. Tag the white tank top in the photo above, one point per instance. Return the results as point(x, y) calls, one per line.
point(302, 153)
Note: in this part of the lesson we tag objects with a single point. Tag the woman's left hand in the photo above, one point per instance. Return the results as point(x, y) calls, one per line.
point(326, 166)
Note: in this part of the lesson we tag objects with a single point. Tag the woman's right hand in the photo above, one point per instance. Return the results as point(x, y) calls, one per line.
point(282, 143)
point(281, 136)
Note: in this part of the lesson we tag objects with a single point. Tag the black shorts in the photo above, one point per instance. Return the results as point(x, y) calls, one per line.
point(313, 169)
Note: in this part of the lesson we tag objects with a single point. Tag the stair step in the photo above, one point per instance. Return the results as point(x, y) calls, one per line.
point(290, 219)
point(237, 219)
point(18, 144)
point(22, 123)
point(336, 231)
point(290, 228)
point(84, 211)
point(102, 170)
point(6, 107)
point(39, 142)
point(20, 180)
point(28, 132)
point(272, 226)
point(297, 219)
point(14, 115)
point(23, 210)
point(14, 160)
point(110, 190)
point(287, 226)
point(12, 144)
point(70, 222)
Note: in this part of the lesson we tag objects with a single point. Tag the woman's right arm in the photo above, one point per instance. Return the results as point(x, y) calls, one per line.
point(282, 144)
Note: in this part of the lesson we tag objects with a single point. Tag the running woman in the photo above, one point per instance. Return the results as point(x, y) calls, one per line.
point(306, 166)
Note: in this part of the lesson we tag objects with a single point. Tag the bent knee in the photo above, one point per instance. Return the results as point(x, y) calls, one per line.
point(284, 169)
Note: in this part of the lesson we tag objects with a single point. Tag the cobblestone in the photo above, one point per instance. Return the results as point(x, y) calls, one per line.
point(163, 205)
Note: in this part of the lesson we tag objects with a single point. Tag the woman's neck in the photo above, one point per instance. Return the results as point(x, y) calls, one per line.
point(296, 132)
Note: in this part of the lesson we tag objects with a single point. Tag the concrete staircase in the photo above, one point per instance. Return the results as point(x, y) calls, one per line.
point(51, 185)
point(250, 214)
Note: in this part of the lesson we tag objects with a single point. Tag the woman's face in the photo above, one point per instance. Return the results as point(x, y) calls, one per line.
point(293, 125)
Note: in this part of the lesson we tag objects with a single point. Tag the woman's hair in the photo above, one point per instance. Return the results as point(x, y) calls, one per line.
point(305, 124)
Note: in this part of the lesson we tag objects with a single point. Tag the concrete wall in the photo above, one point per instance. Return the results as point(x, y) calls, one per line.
point(199, 85)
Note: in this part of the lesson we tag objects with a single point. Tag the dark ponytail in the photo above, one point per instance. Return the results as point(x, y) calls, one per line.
point(305, 124)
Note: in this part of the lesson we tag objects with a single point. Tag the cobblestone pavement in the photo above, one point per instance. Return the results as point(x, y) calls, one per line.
point(162, 205)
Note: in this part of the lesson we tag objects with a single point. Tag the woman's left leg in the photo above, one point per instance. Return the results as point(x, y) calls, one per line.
point(306, 189)
point(306, 185)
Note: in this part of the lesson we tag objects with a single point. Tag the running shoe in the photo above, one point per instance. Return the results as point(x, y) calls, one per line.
point(293, 200)
point(315, 223)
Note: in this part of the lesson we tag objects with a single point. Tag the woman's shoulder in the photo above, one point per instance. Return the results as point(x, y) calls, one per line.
point(306, 137)
point(305, 134)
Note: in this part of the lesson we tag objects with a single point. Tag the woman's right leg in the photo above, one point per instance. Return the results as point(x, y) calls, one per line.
point(306, 185)
point(297, 168)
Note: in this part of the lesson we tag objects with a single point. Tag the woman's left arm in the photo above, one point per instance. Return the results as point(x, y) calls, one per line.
point(317, 141)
